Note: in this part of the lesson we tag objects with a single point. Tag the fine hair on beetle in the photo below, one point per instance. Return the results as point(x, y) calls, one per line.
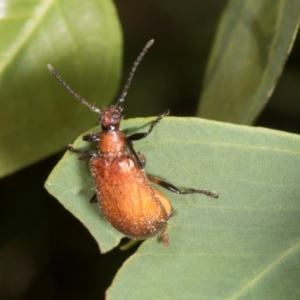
point(128, 200)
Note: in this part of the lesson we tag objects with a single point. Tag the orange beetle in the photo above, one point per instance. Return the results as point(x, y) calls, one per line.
point(127, 199)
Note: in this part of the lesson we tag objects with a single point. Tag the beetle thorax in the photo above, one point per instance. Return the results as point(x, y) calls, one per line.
point(112, 142)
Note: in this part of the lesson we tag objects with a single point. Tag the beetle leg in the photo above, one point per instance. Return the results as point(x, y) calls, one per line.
point(141, 135)
point(92, 137)
point(172, 214)
point(165, 238)
point(140, 159)
point(94, 199)
point(84, 155)
point(172, 188)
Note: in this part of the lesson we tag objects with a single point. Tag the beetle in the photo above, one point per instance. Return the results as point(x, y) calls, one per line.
point(128, 200)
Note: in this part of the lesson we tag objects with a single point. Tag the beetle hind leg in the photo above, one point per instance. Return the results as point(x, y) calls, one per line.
point(172, 188)
point(165, 238)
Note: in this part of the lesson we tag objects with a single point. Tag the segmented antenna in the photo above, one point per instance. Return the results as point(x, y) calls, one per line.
point(128, 82)
point(78, 97)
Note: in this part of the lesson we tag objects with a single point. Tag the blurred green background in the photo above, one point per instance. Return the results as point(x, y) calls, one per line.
point(44, 249)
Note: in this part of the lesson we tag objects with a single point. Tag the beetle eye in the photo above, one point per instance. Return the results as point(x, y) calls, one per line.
point(115, 116)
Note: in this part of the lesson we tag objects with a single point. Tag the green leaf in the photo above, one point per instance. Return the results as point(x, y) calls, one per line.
point(253, 41)
point(82, 40)
point(246, 244)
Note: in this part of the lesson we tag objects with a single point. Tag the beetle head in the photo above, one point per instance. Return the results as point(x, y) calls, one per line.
point(110, 119)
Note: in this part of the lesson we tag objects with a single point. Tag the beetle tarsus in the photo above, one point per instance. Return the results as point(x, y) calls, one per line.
point(211, 194)
point(165, 239)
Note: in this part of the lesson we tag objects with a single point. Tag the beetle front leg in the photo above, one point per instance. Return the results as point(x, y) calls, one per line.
point(84, 155)
point(92, 137)
point(142, 135)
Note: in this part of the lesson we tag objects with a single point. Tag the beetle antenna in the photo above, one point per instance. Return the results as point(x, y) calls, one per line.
point(129, 80)
point(78, 97)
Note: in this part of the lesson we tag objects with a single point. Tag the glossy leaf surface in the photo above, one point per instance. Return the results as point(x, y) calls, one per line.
point(82, 40)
